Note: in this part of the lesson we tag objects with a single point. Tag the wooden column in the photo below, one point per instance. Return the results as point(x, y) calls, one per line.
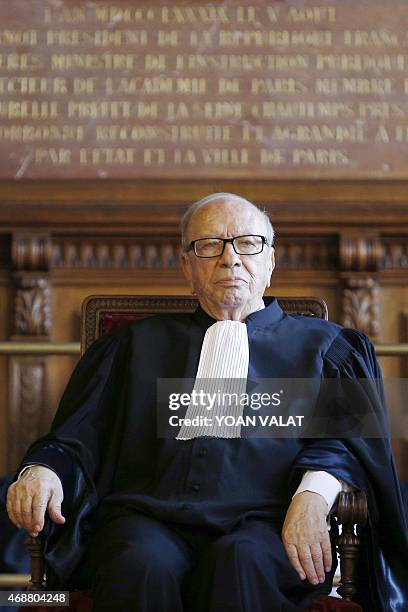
point(31, 255)
point(360, 258)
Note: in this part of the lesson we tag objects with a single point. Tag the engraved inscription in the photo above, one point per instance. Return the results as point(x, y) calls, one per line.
point(149, 89)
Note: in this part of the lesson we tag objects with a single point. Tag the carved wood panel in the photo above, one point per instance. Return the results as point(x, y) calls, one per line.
point(27, 401)
point(361, 307)
point(32, 306)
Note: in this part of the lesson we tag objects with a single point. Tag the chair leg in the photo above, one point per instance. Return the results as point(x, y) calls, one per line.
point(35, 550)
point(351, 510)
point(348, 544)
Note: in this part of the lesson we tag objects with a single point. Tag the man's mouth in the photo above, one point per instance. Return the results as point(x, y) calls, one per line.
point(231, 281)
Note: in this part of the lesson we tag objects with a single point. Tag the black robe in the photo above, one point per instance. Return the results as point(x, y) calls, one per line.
point(104, 446)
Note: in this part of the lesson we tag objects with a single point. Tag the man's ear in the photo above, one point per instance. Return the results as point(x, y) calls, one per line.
point(185, 265)
point(271, 265)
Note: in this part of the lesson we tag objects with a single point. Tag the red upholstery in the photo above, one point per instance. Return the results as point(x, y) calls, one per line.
point(80, 601)
point(324, 603)
point(111, 322)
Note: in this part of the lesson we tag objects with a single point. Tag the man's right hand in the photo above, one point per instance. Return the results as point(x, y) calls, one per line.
point(37, 490)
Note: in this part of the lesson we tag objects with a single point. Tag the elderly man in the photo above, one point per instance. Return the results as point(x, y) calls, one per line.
point(209, 520)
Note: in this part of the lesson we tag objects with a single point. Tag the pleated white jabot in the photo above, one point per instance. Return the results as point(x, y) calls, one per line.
point(222, 369)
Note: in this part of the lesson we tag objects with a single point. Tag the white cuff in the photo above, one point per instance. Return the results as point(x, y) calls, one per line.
point(322, 483)
point(26, 467)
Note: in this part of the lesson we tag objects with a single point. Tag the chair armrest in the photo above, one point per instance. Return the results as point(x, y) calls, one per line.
point(352, 508)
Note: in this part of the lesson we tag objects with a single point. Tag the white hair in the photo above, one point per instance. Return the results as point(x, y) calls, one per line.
point(193, 208)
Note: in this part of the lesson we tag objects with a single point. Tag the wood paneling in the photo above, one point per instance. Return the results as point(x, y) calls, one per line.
point(345, 241)
point(147, 205)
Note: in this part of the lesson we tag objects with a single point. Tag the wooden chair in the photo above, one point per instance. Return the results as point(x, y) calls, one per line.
point(103, 314)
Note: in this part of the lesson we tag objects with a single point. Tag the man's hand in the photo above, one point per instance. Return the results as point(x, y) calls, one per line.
point(39, 489)
point(306, 538)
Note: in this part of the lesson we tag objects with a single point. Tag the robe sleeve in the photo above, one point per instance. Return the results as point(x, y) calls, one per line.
point(367, 464)
point(83, 426)
point(82, 447)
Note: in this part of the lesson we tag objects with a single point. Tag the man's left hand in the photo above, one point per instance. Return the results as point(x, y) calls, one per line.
point(306, 538)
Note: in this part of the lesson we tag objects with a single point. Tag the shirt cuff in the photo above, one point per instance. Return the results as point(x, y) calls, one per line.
point(322, 483)
point(26, 467)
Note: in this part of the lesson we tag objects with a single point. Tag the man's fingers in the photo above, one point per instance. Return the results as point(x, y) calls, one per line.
point(293, 557)
point(27, 513)
point(39, 507)
point(317, 556)
point(306, 561)
point(54, 510)
point(305, 531)
point(16, 508)
point(10, 512)
point(327, 552)
point(9, 504)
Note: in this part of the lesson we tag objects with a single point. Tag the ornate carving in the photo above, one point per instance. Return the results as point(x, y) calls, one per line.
point(395, 252)
point(32, 305)
point(357, 253)
point(118, 253)
point(27, 393)
point(360, 252)
point(31, 258)
point(31, 252)
point(361, 308)
point(311, 253)
point(292, 252)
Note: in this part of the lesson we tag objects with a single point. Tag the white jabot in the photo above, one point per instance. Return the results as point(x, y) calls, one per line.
point(223, 368)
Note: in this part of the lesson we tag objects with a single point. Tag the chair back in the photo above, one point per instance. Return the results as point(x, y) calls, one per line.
point(104, 313)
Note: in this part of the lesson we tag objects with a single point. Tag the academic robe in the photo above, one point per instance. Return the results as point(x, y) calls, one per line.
point(104, 446)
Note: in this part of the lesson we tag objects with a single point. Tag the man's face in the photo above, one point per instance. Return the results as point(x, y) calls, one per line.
point(229, 280)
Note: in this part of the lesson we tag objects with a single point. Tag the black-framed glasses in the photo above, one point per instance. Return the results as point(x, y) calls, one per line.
point(248, 244)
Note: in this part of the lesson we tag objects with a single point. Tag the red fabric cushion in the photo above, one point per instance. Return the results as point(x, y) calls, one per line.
point(111, 322)
point(81, 601)
point(324, 603)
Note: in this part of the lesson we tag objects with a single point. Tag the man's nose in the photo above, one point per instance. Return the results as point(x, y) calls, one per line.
point(229, 257)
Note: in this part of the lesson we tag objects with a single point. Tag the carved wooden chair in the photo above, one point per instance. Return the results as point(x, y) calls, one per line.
point(103, 314)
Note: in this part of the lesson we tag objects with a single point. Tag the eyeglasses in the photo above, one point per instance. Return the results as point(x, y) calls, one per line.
point(214, 247)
